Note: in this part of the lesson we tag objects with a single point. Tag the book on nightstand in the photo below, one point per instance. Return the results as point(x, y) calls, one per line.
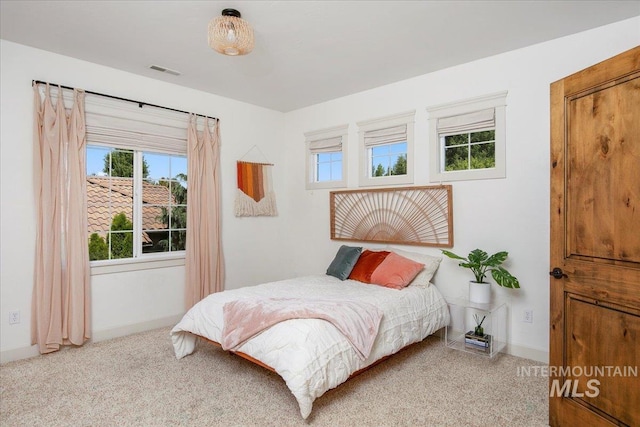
point(481, 342)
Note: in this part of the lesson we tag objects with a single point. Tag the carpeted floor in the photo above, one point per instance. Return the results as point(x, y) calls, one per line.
point(137, 381)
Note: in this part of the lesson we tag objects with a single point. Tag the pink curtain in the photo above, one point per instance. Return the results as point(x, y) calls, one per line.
point(60, 313)
point(204, 261)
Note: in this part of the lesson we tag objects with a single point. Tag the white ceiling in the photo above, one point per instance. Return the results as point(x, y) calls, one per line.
point(306, 51)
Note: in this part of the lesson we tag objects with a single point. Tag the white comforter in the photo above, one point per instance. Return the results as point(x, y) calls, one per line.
point(311, 355)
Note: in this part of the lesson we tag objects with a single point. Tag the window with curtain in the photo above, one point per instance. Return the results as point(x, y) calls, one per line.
point(467, 139)
point(137, 184)
point(386, 150)
point(326, 157)
point(127, 166)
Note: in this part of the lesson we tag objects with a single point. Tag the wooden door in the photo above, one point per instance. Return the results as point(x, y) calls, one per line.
point(594, 350)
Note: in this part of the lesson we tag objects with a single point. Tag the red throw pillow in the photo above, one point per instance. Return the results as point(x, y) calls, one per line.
point(395, 271)
point(366, 265)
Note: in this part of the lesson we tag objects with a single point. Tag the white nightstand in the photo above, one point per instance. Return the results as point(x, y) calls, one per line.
point(462, 322)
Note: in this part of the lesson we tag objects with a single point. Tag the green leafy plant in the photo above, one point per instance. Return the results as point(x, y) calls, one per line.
point(480, 263)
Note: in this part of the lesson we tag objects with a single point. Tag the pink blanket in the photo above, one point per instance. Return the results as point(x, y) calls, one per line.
point(245, 318)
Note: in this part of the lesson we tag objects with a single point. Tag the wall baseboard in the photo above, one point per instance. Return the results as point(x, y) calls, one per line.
point(122, 331)
point(18, 354)
point(528, 353)
point(107, 334)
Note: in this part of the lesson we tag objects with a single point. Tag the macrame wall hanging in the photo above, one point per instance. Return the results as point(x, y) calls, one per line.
point(255, 195)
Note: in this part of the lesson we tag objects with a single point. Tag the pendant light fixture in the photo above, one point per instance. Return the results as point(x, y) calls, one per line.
point(230, 35)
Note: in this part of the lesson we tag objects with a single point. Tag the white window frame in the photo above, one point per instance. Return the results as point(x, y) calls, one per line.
point(406, 118)
point(495, 101)
point(137, 208)
point(319, 135)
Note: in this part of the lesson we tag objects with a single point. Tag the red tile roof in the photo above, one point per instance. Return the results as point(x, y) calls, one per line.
point(107, 197)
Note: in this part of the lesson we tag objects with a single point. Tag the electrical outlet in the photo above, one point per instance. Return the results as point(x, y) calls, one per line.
point(14, 317)
point(527, 316)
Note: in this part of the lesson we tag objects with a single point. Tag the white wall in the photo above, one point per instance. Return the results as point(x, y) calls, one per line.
point(502, 214)
point(132, 301)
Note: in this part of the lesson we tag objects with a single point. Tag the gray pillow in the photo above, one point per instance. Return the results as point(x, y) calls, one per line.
point(344, 261)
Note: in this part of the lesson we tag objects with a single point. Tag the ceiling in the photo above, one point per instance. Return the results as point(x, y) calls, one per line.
point(306, 52)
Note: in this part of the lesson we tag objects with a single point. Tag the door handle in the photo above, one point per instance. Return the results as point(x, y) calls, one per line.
point(557, 273)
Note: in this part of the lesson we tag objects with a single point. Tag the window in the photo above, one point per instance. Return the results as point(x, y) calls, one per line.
point(326, 157)
point(467, 139)
point(136, 203)
point(136, 172)
point(469, 151)
point(386, 150)
point(389, 159)
point(328, 166)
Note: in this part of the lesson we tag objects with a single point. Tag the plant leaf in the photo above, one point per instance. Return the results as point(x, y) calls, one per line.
point(452, 255)
point(478, 256)
point(497, 259)
point(504, 278)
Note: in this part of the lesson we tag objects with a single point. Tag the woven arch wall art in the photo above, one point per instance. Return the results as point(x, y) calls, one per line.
point(409, 215)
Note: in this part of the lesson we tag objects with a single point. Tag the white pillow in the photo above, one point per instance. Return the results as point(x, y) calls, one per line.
point(431, 264)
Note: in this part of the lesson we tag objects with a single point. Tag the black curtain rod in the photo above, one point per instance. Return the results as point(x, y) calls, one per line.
point(140, 103)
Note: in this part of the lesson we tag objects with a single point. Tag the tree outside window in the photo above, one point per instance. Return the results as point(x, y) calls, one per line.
point(389, 159)
point(467, 151)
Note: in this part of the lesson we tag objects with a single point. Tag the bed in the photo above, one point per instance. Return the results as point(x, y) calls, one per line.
point(314, 355)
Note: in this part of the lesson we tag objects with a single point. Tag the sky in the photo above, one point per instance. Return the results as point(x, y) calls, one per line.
point(159, 165)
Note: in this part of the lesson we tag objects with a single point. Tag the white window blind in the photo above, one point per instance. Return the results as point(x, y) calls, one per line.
point(121, 124)
point(127, 134)
point(327, 145)
point(388, 135)
point(467, 122)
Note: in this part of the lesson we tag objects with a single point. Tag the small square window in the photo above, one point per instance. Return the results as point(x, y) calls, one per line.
point(326, 157)
point(467, 139)
point(386, 147)
point(328, 166)
point(469, 151)
point(389, 159)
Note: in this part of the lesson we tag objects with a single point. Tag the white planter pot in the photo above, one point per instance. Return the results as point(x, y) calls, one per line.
point(479, 293)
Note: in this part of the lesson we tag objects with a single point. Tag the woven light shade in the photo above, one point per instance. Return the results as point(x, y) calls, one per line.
point(230, 35)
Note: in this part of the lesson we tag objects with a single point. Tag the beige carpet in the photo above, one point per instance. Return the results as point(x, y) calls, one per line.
point(137, 381)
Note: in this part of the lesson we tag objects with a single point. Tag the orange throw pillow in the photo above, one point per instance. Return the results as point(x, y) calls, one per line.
point(395, 271)
point(366, 265)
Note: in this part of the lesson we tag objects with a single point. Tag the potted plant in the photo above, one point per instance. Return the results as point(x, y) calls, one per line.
point(480, 263)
